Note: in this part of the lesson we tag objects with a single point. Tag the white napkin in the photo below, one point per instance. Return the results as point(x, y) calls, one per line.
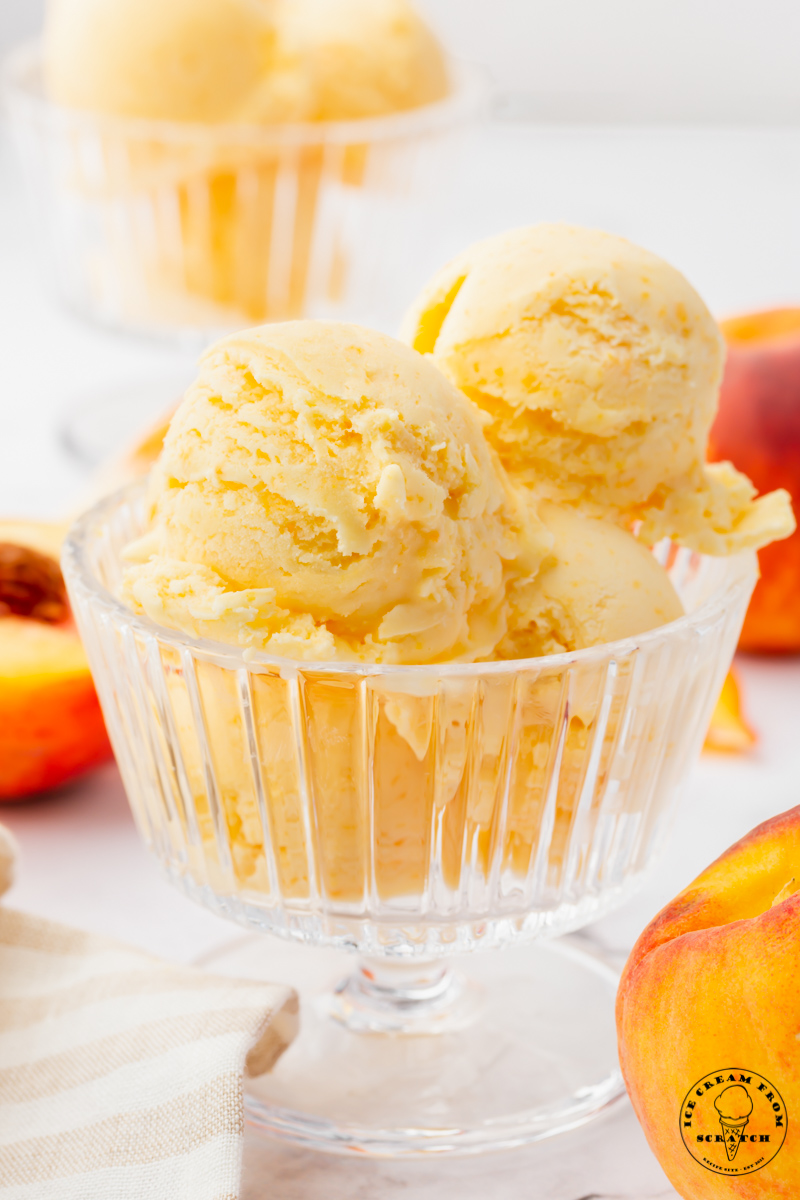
point(121, 1075)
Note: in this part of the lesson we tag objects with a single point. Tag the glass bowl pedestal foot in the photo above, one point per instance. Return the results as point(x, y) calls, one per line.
point(397, 1059)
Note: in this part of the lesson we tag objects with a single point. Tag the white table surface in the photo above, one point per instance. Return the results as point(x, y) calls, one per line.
point(725, 207)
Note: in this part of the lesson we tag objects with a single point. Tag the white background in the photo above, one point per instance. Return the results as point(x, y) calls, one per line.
point(610, 60)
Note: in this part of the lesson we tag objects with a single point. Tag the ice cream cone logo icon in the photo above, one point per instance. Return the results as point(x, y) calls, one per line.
point(733, 1121)
point(734, 1106)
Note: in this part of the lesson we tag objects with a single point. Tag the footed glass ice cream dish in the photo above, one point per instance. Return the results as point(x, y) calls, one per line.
point(408, 845)
point(408, 716)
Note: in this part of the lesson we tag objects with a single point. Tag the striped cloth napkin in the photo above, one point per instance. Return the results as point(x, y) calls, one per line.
point(120, 1075)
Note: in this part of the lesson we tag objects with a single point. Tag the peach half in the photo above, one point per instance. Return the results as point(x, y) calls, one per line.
point(51, 726)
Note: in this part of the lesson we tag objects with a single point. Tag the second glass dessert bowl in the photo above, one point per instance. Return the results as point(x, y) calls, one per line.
point(182, 230)
point(412, 814)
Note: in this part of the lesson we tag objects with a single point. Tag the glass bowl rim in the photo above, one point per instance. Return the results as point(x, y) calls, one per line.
point(468, 97)
point(742, 573)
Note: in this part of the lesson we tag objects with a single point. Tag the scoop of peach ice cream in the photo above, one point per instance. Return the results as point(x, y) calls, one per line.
point(598, 366)
point(324, 492)
point(344, 59)
point(174, 60)
point(599, 585)
point(241, 60)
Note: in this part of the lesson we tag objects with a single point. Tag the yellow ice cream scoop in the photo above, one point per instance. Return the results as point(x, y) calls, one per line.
point(325, 492)
point(599, 585)
point(344, 59)
point(173, 60)
point(598, 366)
point(241, 60)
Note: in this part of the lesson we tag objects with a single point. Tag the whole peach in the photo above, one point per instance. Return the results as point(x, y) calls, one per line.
point(710, 1001)
point(758, 429)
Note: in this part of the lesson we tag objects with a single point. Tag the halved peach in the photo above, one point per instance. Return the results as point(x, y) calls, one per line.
point(51, 726)
point(758, 429)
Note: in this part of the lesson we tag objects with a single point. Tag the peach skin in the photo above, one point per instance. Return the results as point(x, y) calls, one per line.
point(758, 429)
point(51, 726)
point(708, 1009)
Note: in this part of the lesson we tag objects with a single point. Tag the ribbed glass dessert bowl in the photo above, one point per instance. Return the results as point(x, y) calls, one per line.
point(412, 814)
point(186, 229)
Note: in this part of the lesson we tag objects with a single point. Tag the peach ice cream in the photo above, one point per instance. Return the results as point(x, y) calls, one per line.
point(184, 60)
point(327, 493)
point(241, 60)
point(598, 367)
point(324, 492)
point(346, 59)
point(599, 584)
